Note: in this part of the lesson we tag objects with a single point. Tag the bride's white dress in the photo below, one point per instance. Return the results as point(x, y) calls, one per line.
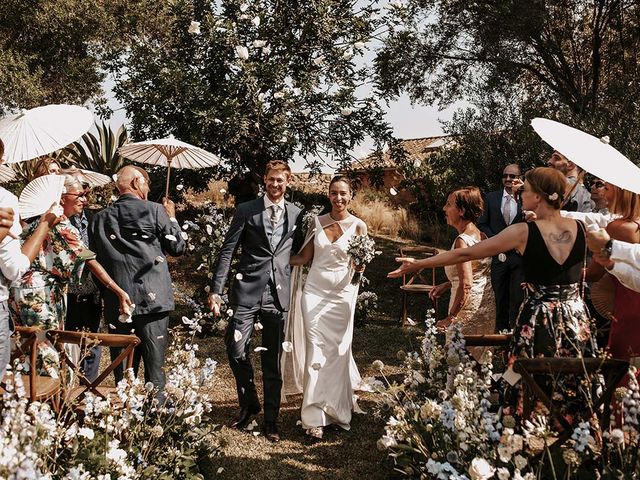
point(326, 307)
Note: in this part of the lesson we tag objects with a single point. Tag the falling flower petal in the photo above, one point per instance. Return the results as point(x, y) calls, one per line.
point(114, 177)
point(171, 238)
point(184, 235)
point(237, 335)
point(287, 346)
point(242, 52)
point(393, 191)
point(207, 288)
point(220, 470)
point(223, 191)
point(209, 229)
point(194, 28)
point(252, 425)
point(112, 326)
point(410, 321)
point(259, 349)
point(238, 276)
point(112, 236)
point(179, 187)
point(244, 7)
point(256, 21)
point(259, 43)
point(151, 295)
point(159, 259)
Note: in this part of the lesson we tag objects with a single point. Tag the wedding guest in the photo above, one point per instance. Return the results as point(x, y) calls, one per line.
point(39, 296)
point(130, 238)
point(598, 198)
point(472, 302)
point(577, 197)
point(553, 320)
point(621, 259)
point(47, 166)
point(84, 305)
point(501, 209)
point(327, 306)
point(263, 229)
point(15, 259)
point(624, 335)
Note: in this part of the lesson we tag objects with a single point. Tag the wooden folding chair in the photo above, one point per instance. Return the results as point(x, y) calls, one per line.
point(38, 388)
point(613, 371)
point(417, 283)
point(85, 341)
point(489, 340)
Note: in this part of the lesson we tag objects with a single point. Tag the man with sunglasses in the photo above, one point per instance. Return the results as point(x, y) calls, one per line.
point(598, 198)
point(84, 306)
point(501, 209)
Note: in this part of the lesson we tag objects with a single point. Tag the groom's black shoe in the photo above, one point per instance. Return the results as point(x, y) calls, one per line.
point(271, 432)
point(246, 414)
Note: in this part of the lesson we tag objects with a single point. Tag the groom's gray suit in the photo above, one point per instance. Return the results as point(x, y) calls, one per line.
point(260, 293)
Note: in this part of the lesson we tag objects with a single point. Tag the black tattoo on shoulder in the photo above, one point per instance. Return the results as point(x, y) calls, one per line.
point(564, 237)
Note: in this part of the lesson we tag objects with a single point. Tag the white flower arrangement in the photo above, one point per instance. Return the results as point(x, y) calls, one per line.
point(362, 250)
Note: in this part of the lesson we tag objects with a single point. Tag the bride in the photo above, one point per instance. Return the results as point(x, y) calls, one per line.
point(321, 318)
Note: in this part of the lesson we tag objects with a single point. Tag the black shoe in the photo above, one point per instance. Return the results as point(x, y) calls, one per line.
point(271, 432)
point(246, 414)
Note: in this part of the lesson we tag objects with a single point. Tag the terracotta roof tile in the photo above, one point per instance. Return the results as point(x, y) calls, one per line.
point(416, 148)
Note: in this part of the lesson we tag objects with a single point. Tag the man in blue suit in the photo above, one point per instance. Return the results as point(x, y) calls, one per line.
point(501, 209)
point(131, 239)
point(264, 229)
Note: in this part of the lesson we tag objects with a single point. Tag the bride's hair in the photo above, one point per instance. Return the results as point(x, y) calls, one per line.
point(341, 178)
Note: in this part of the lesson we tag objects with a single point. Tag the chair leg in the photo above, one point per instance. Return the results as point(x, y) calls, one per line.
point(403, 318)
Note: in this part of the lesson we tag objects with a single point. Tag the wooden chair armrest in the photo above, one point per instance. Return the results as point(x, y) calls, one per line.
point(568, 365)
point(489, 340)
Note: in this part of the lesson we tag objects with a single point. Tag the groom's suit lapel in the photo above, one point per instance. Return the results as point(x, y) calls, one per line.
point(260, 209)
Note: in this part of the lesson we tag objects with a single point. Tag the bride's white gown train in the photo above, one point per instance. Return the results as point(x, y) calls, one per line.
point(327, 307)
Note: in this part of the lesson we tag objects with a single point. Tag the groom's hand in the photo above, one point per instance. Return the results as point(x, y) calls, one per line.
point(215, 301)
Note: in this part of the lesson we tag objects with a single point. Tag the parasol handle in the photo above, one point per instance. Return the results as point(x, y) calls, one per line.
point(166, 191)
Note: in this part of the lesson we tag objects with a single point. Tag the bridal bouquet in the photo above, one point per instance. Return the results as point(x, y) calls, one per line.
point(362, 250)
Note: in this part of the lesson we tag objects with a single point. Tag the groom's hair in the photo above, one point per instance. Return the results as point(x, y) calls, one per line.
point(278, 166)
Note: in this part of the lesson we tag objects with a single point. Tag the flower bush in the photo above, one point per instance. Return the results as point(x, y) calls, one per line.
point(445, 422)
point(134, 434)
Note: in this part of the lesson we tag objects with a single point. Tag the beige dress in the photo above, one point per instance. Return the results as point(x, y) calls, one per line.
point(478, 315)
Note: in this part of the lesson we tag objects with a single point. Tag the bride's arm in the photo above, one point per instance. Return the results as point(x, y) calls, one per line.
point(304, 257)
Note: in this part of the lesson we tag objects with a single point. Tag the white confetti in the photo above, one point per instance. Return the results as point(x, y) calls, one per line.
point(125, 318)
point(259, 349)
point(112, 236)
point(171, 238)
point(255, 434)
point(207, 288)
point(220, 470)
point(209, 229)
point(502, 257)
point(223, 191)
point(393, 191)
point(194, 28)
point(238, 276)
point(287, 346)
point(184, 235)
point(185, 226)
point(299, 422)
point(316, 366)
point(112, 326)
point(237, 335)
point(145, 236)
point(278, 287)
point(134, 234)
point(179, 187)
point(230, 312)
point(411, 321)
point(252, 425)
point(114, 177)
point(151, 295)
point(256, 21)
point(258, 326)
point(159, 259)
point(244, 7)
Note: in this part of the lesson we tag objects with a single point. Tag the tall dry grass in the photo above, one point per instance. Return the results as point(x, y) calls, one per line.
point(384, 219)
point(217, 193)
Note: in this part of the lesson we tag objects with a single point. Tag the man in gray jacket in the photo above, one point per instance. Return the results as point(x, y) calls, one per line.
point(131, 238)
point(264, 229)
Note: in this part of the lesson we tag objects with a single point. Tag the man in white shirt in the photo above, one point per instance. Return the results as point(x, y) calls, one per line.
point(501, 209)
point(621, 259)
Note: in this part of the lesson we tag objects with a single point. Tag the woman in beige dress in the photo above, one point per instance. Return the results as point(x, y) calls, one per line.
point(472, 301)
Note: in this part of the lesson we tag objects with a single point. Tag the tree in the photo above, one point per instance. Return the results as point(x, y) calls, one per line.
point(572, 60)
point(50, 51)
point(253, 81)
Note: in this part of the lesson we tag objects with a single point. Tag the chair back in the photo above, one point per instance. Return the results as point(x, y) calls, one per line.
point(85, 341)
point(24, 347)
point(418, 282)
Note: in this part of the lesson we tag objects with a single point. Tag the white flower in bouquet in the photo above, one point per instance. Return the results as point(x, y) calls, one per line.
point(362, 250)
point(259, 43)
point(256, 21)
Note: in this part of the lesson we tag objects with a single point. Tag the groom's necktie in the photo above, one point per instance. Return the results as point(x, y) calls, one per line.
point(274, 215)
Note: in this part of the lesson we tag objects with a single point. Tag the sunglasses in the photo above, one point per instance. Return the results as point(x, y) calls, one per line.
point(510, 175)
point(597, 184)
point(77, 195)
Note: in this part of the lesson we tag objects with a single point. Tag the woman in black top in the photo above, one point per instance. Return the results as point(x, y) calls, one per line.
point(553, 319)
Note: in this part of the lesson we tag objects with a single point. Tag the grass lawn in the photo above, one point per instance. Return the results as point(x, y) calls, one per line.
point(341, 454)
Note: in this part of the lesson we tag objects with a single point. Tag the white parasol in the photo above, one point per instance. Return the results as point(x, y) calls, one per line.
point(6, 174)
point(169, 152)
point(93, 179)
point(43, 130)
point(592, 154)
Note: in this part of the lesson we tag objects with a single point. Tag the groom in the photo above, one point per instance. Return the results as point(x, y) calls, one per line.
point(264, 229)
